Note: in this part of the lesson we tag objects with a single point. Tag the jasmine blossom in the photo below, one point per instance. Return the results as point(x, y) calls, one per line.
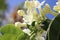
point(27, 31)
point(21, 12)
point(18, 24)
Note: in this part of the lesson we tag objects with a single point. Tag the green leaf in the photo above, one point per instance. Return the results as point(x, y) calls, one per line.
point(54, 32)
point(33, 23)
point(46, 24)
point(10, 32)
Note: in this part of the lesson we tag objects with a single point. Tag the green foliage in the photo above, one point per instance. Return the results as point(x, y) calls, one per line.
point(10, 32)
point(2, 5)
point(8, 37)
point(46, 24)
point(33, 23)
point(54, 31)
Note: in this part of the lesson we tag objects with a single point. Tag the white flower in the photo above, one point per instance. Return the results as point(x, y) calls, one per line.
point(18, 11)
point(58, 3)
point(21, 12)
point(19, 24)
point(40, 38)
point(57, 7)
point(58, 11)
point(37, 4)
point(33, 3)
point(28, 19)
point(29, 4)
point(24, 20)
point(35, 15)
point(27, 31)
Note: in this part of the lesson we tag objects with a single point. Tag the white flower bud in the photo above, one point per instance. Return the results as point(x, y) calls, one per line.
point(37, 4)
point(42, 38)
point(58, 11)
point(18, 24)
point(29, 4)
point(21, 12)
point(27, 31)
point(57, 3)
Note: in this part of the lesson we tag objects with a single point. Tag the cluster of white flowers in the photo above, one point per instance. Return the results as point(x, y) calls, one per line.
point(33, 4)
point(31, 15)
point(19, 25)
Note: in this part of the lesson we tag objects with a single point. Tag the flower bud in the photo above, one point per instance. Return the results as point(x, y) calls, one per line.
point(27, 31)
point(21, 12)
point(18, 24)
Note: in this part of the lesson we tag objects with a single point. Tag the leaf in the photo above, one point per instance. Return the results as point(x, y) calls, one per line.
point(54, 31)
point(10, 32)
point(33, 23)
point(45, 24)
